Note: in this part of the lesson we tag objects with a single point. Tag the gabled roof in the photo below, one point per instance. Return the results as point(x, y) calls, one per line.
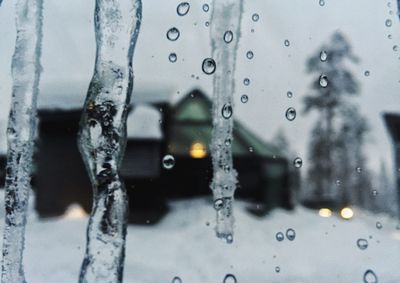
point(71, 94)
point(192, 122)
point(195, 107)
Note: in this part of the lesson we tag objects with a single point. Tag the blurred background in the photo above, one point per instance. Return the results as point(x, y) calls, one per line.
point(316, 127)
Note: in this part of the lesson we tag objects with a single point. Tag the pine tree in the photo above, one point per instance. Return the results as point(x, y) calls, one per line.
point(335, 149)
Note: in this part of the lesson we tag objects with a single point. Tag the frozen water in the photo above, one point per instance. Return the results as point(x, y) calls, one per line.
point(226, 16)
point(21, 130)
point(208, 66)
point(183, 8)
point(173, 34)
point(168, 162)
point(102, 137)
point(290, 114)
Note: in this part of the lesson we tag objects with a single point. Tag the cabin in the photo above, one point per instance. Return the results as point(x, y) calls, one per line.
point(156, 127)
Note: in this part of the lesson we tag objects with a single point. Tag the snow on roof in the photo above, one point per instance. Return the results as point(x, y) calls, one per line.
point(62, 95)
point(71, 94)
point(144, 123)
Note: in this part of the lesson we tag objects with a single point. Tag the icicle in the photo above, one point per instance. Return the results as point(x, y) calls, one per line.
point(102, 137)
point(20, 134)
point(398, 8)
point(225, 33)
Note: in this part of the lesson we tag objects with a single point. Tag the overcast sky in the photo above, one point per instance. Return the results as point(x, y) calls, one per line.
point(69, 49)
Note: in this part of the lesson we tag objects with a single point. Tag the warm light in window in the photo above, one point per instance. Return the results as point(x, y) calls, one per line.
point(325, 212)
point(347, 213)
point(198, 150)
point(75, 211)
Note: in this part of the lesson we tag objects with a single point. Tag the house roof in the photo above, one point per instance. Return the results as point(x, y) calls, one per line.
point(144, 123)
point(192, 122)
point(71, 94)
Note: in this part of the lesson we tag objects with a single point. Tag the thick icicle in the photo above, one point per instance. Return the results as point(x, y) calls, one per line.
point(102, 137)
point(21, 129)
point(398, 8)
point(225, 34)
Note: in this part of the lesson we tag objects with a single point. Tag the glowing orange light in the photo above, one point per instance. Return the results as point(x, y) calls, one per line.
point(198, 150)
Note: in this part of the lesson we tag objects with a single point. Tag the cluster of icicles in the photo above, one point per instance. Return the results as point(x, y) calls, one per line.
point(102, 135)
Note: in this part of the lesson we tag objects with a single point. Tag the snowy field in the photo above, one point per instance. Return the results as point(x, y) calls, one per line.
point(184, 245)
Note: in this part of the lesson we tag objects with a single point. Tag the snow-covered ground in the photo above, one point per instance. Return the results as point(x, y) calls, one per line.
point(183, 244)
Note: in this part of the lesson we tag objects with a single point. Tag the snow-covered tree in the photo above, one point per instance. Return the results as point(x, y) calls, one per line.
point(337, 162)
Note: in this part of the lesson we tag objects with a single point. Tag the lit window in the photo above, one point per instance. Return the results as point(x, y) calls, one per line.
point(198, 150)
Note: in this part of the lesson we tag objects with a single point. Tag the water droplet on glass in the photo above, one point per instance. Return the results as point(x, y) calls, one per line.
point(287, 43)
point(255, 17)
point(366, 73)
point(395, 48)
point(277, 269)
point(173, 34)
point(168, 161)
point(379, 225)
point(172, 57)
point(230, 278)
point(290, 234)
point(323, 56)
point(389, 36)
point(322, 2)
point(338, 182)
point(249, 54)
point(183, 8)
point(228, 36)
point(323, 81)
point(374, 193)
point(251, 149)
point(362, 244)
point(289, 94)
point(388, 23)
point(298, 162)
point(206, 8)
point(227, 111)
point(358, 169)
point(244, 98)
point(370, 277)
point(279, 236)
point(208, 66)
point(176, 279)
point(207, 23)
point(246, 81)
point(290, 114)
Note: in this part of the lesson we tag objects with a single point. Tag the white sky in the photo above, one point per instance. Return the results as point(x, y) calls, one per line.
point(68, 53)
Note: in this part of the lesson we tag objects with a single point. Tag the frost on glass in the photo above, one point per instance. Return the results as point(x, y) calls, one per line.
point(102, 137)
point(21, 129)
point(225, 22)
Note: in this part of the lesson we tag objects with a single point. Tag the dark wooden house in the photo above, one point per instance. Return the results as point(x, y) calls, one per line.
point(155, 128)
